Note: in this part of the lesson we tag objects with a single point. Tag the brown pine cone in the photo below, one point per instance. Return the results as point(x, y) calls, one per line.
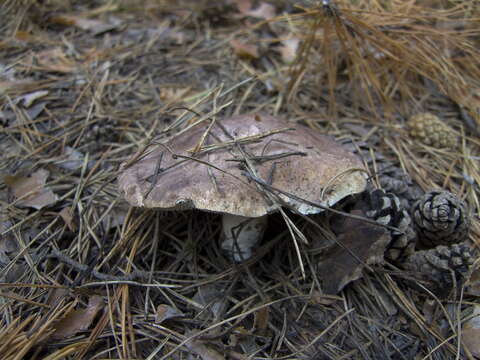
point(432, 131)
point(440, 218)
point(386, 209)
point(392, 178)
point(444, 265)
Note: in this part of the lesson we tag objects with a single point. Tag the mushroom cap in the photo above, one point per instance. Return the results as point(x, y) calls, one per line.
point(298, 161)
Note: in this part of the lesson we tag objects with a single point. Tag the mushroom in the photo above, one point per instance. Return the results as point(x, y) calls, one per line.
point(220, 167)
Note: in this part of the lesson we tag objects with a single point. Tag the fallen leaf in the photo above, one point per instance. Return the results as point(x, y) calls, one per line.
point(264, 11)
point(243, 6)
point(77, 320)
point(24, 36)
point(243, 50)
point(165, 312)
point(200, 349)
point(95, 26)
point(31, 190)
point(72, 159)
point(116, 217)
point(288, 50)
point(36, 110)
point(365, 241)
point(260, 323)
point(56, 295)
point(211, 299)
point(471, 332)
point(67, 217)
point(173, 94)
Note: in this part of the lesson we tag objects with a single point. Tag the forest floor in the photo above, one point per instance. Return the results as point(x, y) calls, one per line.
point(85, 85)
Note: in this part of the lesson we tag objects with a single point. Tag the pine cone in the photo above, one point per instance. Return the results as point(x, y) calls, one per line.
point(440, 218)
point(444, 265)
point(391, 177)
point(386, 209)
point(430, 130)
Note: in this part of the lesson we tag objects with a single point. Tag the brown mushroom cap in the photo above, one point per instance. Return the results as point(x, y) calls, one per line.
point(299, 161)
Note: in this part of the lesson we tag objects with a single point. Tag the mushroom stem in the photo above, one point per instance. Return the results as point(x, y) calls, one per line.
point(241, 235)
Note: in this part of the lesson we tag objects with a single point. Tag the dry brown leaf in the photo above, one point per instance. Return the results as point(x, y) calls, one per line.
point(72, 159)
point(289, 49)
point(471, 332)
point(31, 190)
point(264, 11)
point(56, 295)
point(205, 352)
point(173, 94)
point(24, 36)
point(243, 6)
point(261, 320)
point(165, 312)
point(92, 25)
point(77, 320)
point(117, 216)
point(243, 50)
point(211, 298)
point(67, 216)
point(366, 241)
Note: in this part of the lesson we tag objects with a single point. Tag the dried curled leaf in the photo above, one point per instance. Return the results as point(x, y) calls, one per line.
point(77, 320)
point(31, 190)
point(165, 312)
point(67, 216)
point(244, 50)
point(205, 352)
point(289, 49)
point(262, 11)
point(93, 25)
point(363, 244)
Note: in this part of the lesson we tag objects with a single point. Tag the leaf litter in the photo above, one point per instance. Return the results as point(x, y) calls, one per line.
point(31, 191)
point(164, 66)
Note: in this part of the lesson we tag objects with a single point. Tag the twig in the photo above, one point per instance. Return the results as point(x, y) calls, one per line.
point(134, 275)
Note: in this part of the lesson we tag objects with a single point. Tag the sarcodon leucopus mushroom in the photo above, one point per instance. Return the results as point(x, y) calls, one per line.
point(234, 166)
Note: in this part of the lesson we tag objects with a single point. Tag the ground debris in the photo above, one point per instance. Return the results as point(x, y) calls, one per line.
point(358, 245)
point(84, 84)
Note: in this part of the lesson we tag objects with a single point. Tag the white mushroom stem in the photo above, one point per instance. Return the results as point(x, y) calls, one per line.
point(241, 235)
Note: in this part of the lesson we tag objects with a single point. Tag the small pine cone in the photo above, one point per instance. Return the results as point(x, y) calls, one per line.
point(443, 265)
point(430, 130)
point(386, 209)
point(440, 218)
point(392, 178)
